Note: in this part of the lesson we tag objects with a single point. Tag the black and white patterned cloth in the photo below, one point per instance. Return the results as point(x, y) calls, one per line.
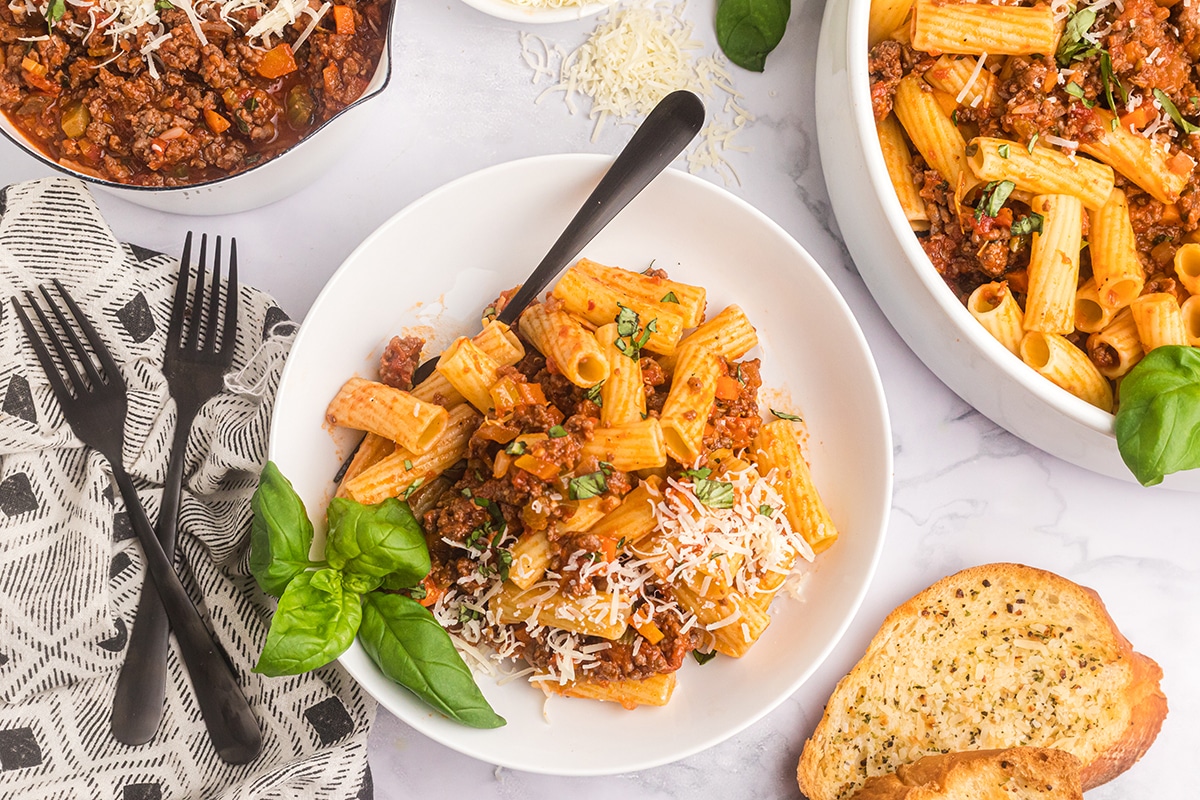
point(71, 569)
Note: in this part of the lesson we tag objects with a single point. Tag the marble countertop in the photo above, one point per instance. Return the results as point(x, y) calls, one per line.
point(966, 491)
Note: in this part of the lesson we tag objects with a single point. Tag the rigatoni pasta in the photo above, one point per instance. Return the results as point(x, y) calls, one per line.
point(600, 527)
point(1012, 116)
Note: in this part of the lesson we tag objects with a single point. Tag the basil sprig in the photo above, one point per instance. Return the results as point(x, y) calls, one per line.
point(1158, 422)
point(411, 648)
point(748, 30)
point(323, 605)
point(1073, 46)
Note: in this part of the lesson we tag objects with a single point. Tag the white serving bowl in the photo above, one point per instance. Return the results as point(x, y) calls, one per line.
point(260, 185)
point(502, 9)
point(432, 267)
point(910, 291)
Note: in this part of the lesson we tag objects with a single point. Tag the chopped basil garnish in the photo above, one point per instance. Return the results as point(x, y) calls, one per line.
point(704, 658)
point(703, 472)
point(1027, 225)
point(628, 341)
point(585, 486)
point(1002, 150)
point(1110, 80)
point(515, 448)
point(766, 510)
point(995, 193)
point(787, 416)
point(1174, 114)
point(412, 487)
point(1074, 46)
point(408, 464)
point(1032, 142)
point(1076, 91)
point(670, 297)
point(55, 12)
point(593, 394)
point(557, 432)
point(714, 494)
point(163, 5)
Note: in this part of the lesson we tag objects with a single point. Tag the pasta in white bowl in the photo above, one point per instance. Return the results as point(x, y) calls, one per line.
point(412, 276)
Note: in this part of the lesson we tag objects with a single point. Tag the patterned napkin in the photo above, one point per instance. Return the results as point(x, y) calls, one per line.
point(71, 569)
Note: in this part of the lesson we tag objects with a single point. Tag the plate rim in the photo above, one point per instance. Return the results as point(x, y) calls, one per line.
point(881, 511)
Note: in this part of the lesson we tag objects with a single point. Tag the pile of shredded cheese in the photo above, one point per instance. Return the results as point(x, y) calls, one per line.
point(737, 546)
point(634, 58)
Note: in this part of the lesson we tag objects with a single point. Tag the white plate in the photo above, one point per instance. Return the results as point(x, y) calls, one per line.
point(511, 11)
point(439, 261)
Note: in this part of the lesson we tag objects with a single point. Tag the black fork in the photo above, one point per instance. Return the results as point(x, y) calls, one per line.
point(194, 362)
point(93, 399)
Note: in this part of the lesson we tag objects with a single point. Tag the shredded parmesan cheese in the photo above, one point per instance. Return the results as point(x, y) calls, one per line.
point(635, 57)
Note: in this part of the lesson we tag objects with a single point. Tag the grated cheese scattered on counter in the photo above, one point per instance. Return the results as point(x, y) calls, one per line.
point(634, 58)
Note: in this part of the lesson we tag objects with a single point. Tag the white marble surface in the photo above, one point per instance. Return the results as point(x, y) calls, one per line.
point(966, 491)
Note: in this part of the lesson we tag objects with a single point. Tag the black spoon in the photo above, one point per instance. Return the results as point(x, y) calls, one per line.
point(664, 133)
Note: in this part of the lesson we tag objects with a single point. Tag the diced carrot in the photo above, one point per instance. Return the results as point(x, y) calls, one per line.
point(532, 394)
point(610, 548)
point(216, 123)
point(343, 20)
point(645, 626)
point(728, 388)
point(1140, 117)
point(432, 592)
point(1170, 213)
point(277, 62)
point(546, 470)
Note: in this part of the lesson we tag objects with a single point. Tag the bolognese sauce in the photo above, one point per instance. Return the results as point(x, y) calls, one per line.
point(178, 92)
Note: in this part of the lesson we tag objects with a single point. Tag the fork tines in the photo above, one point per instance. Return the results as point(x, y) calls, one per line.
point(203, 336)
point(92, 378)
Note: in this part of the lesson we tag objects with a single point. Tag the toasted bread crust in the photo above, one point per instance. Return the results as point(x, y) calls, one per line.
point(840, 754)
point(1019, 773)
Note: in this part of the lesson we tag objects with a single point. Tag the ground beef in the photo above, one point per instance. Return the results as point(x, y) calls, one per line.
point(399, 360)
point(886, 72)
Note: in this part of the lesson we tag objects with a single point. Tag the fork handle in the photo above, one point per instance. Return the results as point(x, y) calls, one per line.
point(231, 724)
point(142, 683)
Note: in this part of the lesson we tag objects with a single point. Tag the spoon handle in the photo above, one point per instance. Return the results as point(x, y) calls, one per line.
point(658, 140)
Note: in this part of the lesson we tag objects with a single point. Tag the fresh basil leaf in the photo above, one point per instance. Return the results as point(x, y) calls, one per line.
point(1027, 225)
point(1158, 422)
point(702, 472)
point(515, 448)
point(376, 540)
point(784, 415)
point(361, 584)
point(280, 534)
point(704, 658)
point(670, 297)
point(586, 486)
point(314, 624)
point(411, 648)
point(714, 494)
point(748, 30)
point(1174, 114)
point(557, 432)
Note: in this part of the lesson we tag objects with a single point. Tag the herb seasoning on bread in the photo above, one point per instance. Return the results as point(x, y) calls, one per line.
point(995, 656)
